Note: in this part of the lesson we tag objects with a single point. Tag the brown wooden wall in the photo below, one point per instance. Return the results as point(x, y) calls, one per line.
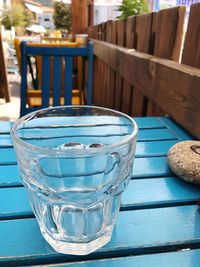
point(143, 77)
point(4, 89)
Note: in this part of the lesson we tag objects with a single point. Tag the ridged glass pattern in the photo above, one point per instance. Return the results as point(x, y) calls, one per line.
point(75, 164)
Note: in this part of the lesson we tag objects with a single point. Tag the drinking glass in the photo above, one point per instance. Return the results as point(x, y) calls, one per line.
point(75, 162)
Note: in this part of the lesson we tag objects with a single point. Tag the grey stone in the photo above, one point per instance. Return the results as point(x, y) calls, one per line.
point(184, 160)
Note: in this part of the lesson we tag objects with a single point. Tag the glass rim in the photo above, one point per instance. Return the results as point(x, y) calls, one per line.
point(73, 151)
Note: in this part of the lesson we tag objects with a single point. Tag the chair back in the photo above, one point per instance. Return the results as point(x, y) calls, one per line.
point(52, 58)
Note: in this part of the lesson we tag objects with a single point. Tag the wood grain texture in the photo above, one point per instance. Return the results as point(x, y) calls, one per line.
point(130, 32)
point(114, 32)
point(4, 89)
point(129, 43)
point(95, 95)
point(166, 32)
point(98, 85)
point(143, 43)
point(112, 74)
point(143, 32)
point(104, 77)
point(99, 81)
point(173, 86)
point(179, 34)
point(98, 90)
point(80, 16)
point(153, 109)
point(126, 97)
point(121, 32)
point(119, 81)
point(191, 50)
point(154, 33)
point(109, 73)
point(168, 40)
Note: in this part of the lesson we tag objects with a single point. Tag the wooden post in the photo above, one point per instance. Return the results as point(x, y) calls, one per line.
point(191, 55)
point(4, 89)
point(91, 13)
point(171, 85)
point(79, 16)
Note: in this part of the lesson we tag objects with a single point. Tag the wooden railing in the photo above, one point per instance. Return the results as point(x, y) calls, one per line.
point(4, 89)
point(139, 68)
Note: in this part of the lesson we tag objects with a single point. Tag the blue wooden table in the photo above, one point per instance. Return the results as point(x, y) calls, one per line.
point(159, 221)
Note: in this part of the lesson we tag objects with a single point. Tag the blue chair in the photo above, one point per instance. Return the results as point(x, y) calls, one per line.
point(52, 58)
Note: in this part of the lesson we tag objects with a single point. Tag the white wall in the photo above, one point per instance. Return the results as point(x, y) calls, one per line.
point(105, 13)
point(4, 4)
point(46, 20)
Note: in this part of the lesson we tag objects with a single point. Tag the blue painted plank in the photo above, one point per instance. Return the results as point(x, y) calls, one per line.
point(49, 140)
point(149, 122)
point(143, 193)
point(90, 74)
point(143, 122)
point(150, 149)
point(5, 127)
point(154, 149)
point(184, 258)
point(70, 131)
point(33, 135)
point(155, 135)
point(23, 87)
point(160, 122)
point(143, 149)
point(151, 167)
point(60, 122)
point(14, 203)
point(57, 76)
point(68, 80)
point(45, 81)
point(176, 128)
point(143, 134)
point(135, 232)
point(7, 156)
point(57, 51)
point(5, 140)
point(9, 175)
point(143, 168)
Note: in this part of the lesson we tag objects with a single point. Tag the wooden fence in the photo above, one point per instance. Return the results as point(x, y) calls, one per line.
point(139, 68)
point(4, 89)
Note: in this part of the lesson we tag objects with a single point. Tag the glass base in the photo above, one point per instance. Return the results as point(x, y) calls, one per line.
point(78, 248)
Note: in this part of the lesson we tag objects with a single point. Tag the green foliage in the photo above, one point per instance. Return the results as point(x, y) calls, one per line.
point(132, 7)
point(29, 18)
point(62, 16)
point(16, 16)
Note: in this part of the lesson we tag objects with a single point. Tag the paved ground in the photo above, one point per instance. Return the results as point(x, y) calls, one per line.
point(10, 111)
